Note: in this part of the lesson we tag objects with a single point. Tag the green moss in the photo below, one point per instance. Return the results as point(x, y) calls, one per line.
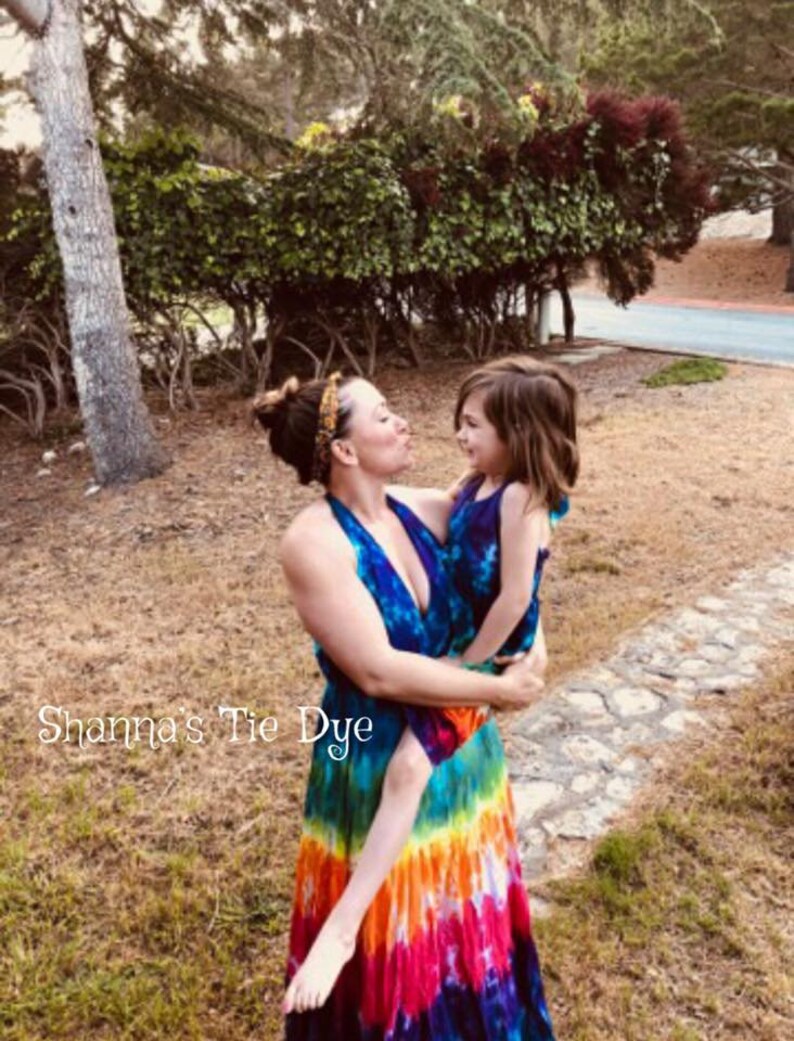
point(691, 370)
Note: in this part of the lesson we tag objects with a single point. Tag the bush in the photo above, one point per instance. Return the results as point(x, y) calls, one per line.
point(343, 248)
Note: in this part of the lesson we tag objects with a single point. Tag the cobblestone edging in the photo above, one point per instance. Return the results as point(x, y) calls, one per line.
point(579, 756)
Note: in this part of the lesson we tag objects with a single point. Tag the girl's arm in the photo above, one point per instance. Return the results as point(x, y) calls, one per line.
point(521, 535)
point(338, 611)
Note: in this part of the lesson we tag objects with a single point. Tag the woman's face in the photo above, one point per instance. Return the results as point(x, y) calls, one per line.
point(478, 437)
point(378, 440)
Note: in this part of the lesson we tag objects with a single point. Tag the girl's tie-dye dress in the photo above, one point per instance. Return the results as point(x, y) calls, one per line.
point(445, 951)
point(474, 554)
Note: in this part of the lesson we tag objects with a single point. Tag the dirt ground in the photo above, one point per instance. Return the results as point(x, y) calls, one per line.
point(167, 596)
point(739, 270)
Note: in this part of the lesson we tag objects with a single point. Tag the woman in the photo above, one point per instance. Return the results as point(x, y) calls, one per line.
point(445, 950)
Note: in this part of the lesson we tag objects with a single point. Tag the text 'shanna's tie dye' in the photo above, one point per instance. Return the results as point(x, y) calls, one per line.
point(445, 952)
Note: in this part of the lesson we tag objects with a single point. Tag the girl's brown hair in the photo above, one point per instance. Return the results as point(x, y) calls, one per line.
point(291, 417)
point(533, 406)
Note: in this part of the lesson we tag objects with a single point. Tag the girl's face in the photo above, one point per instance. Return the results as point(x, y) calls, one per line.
point(379, 441)
point(478, 438)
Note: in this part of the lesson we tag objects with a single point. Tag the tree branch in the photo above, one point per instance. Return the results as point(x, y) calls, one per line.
point(32, 15)
point(763, 170)
point(747, 88)
point(785, 51)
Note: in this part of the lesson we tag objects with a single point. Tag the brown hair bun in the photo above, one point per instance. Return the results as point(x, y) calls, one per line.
point(271, 407)
point(291, 417)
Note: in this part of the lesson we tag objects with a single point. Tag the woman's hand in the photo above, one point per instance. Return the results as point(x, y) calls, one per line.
point(455, 660)
point(523, 686)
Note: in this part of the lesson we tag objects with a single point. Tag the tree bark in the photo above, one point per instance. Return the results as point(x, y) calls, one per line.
point(782, 222)
point(568, 313)
point(117, 423)
point(783, 209)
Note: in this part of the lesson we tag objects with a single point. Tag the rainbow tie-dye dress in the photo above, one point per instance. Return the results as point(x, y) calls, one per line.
point(445, 952)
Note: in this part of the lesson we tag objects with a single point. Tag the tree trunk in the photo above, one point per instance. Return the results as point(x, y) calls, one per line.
point(568, 313)
point(783, 209)
point(117, 424)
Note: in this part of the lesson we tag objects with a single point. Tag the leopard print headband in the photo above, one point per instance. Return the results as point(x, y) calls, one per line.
point(326, 427)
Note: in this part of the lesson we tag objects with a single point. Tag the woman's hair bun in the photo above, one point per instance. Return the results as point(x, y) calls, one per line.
point(291, 417)
point(270, 408)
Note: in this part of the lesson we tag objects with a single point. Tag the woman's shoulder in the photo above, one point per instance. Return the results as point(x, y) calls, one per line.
point(314, 530)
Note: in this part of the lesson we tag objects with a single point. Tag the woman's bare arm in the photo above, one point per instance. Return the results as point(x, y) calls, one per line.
point(431, 505)
point(339, 612)
point(459, 482)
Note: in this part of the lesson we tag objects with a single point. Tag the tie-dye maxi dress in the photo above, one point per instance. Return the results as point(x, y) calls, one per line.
point(445, 952)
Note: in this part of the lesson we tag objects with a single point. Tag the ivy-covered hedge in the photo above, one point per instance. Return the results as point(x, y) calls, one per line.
point(351, 241)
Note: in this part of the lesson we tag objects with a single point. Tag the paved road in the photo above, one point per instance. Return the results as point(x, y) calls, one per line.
point(725, 332)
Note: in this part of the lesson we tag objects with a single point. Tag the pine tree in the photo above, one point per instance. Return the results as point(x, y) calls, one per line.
point(731, 64)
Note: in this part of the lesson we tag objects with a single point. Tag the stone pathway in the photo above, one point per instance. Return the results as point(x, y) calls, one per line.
point(578, 757)
point(583, 354)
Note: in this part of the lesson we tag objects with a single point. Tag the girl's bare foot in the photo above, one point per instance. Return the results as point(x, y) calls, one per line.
point(314, 980)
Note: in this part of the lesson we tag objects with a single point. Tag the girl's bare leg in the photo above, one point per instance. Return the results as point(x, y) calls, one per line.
point(406, 778)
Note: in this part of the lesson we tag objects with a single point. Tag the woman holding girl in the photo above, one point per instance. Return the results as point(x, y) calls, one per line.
point(410, 918)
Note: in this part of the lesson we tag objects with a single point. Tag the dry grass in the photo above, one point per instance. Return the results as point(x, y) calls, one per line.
point(146, 894)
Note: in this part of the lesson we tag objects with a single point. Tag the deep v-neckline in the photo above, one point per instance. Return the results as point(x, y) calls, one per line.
point(392, 504)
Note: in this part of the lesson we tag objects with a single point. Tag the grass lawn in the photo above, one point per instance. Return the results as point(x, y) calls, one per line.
point(146, 894)
point(691, 370)
point(681, 928)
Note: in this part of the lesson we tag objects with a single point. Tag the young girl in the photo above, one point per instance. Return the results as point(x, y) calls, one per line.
point(516, 423)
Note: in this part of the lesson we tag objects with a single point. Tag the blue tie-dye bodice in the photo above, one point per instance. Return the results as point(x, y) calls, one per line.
point(409, 629)
point(473, 550)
